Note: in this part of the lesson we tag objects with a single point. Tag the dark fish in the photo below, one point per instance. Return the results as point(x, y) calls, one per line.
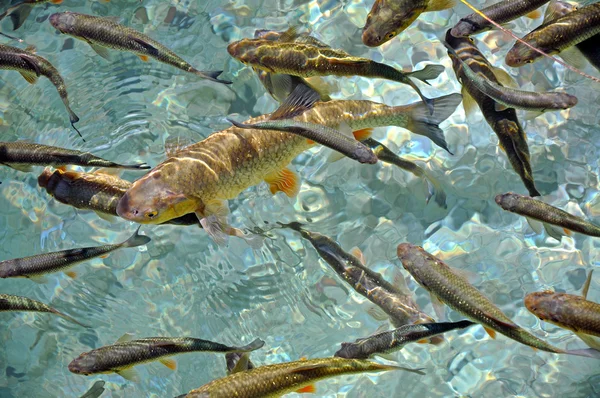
point(279, 379)
point(399, 305)
point(9, 302)
point(394, 340)
point(308, 60)
point(238, 362)
point(557, 35)
point(19, 12)
point(31, 66)
point(122, 356)
point(35, 267)
point(507, 97)
point(538, 210)
point(94, 191)
point(101, 32)
point(452, 289)
point(501, 12)
point(22, 155)
point(505, 124)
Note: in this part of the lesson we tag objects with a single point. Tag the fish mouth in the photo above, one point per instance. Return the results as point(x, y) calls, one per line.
point(371, 39)
point(124, 209)
point(54, 20)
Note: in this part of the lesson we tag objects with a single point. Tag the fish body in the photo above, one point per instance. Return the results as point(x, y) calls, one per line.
point(203, 175)
point(279, 379)
point(388, 18)
point(8, 302)
point(538, 210)
point(501, 12)
point(456, 292)
point(19, 12)
point(22, 154)
point(41, 264)
point(515, 98)
point(123, 355)
point(308, 60)
point(504, 122)
point(394, 340)
point(399, 305)
point(102, 32)
point(557, 35)
point(31, 66)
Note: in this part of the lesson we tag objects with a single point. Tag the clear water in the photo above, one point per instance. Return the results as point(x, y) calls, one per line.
point(183, 284)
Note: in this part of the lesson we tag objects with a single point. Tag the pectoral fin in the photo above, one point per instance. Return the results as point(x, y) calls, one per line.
point(535, 225)
point(39, 279)
point(19, 166)
point(242, 363)
point(311, 389)
point(125, 338)
point(71, 274)
point(438, 307)
point(29, 76)
point(285, 181)
point(169, 363)
point(591, 341)
point(129, 374)
point(149, 47)
point(535, 14)
point(214, 228)
point(356, 252)
point(101, 51)
point(504, 78)
point(377, 313)
point(469, 103)
point(491, 332)
point(574, 57)
point(554, 231)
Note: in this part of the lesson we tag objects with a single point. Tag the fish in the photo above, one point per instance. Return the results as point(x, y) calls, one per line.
point(8, 302)
point(557, 35)
point(19, 12)
point(279, 379)
point(383, 153)
point(95, 390)
point(448, 287)
point(547, 214)
point(507, 97)
point(394, 340)
point(501, 12)
point(238, 362)
point(397, 303)
point(31, 66)
point(511, 136)
point(388, 18)
point(341, 140)
point(99, 192)
point(588, 48)
point(21, 155)
point(102, 33)
point(126, 353)
point(202, 176)
point(35, 267)
point(308, 60)
point(568, 311)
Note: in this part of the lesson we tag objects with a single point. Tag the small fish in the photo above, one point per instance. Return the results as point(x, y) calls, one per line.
point(19, 12)
point(238, 362)
point(385, 154)
point(101, 33)
point(388, 18)
point(98, 192)
point(308, 60)
point(21, 155)
point(394, 340)
point(507, 97)
point(202, 176)
point(557, 35)
point(501, 12)
point(31, 66)
point(35, 267)
point(126, 353)
point(95, 390)
point(548, 214)
point(448, 287)
point(9, 302)
point(568, 311)
point(511, 136)
point(397, 303)
point(279, 379)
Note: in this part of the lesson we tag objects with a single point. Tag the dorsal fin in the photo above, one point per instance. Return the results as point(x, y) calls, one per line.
point(289, 35)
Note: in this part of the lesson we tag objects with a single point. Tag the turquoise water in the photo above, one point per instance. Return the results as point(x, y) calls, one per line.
point(182, 284)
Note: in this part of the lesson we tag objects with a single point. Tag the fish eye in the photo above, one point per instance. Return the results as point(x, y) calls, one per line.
point(151, 214)
point(391, 35)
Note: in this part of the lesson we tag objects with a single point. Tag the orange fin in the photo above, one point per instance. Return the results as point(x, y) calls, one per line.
point(362, 134)
point(71, 274)
point(356, 252)
point(534, 349)
point(534, 14)
point(308, 389)
point(303, 358)
point(169, 363)
point(491, 332)
point(104, 255)
point(285, 181)
point(56, 1)
point(310, 141)
point(144, 58)
point(568, 232)
point(423, 341)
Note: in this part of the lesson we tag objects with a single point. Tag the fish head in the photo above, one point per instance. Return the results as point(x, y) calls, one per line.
point(152, 200)
point(412, 259)
point(464, 27)
point(85, 364)
point(385, 21)
point(350, 351)
point(64, 22)
point(520, 55)
point(508, 201)
point(245, 50)
point(544, 304)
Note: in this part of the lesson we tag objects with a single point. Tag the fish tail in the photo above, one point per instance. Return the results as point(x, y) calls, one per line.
point(435, 189)
point(423, 123)
point(255, 345)
point(76, 129)
point(587, 352)
point(70, 319)
point(18, 14)
point(136, 239)
point(295, 225)
point(429, 72)
point(139, 166)
point(211, 75)
point(382, 367)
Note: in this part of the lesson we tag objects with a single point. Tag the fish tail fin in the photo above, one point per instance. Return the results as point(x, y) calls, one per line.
point(211, 75)
point(76, 129)
point(255, 345)
point(70, 319)
point(136, 239)
point(295, 225)
point(423, 123)
point(429, 72)
point(586, 352)
point(435, 189)
point(382, 367)
point(18, 14)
